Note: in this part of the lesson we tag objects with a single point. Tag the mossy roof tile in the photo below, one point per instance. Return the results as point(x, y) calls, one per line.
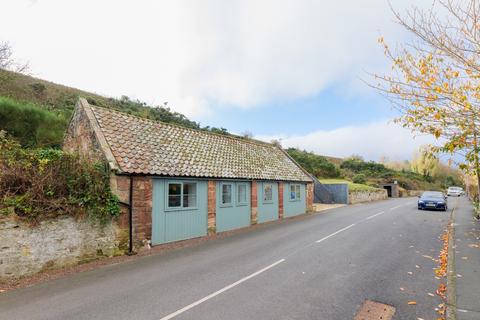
point(144, 146)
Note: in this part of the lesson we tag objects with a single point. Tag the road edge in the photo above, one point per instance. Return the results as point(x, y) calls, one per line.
point(451, 303)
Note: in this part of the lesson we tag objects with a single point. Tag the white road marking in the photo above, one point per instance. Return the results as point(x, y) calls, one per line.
point(373, 216)
point(216, 293)
point(336, 232)
point(395, 208)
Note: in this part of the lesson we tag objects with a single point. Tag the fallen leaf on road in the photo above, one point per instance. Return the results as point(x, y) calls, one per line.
point(412, 303)
point(410, 272)
point(402, 289)
point(428, 257)
point(417, 266)
point(442, 289)
point(464, 258)
point(420, 319)
point(474, 245)
point(459, 275)
point(411, 247)
point(431, 294)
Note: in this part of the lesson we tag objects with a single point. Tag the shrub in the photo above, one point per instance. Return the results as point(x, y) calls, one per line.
point(359, 178)
point(32, 125)
point(38, 88)
point(317, 165)
point(36, 184)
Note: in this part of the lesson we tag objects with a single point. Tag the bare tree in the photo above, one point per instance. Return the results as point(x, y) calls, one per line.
point(7, 62)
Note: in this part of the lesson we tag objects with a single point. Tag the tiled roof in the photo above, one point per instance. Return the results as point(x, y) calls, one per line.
point(144, 146)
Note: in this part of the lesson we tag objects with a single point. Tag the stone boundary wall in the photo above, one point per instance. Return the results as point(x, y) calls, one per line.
point(367, 196)
point(26, 250)
point(412, 193)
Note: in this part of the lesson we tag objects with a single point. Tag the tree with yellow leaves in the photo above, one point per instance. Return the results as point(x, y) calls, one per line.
point(435, 79)
point(424, 163)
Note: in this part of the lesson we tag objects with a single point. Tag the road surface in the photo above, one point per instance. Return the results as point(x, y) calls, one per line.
point(312, 267)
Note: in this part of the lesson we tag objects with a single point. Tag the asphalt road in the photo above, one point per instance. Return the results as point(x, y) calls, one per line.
point(313, 267)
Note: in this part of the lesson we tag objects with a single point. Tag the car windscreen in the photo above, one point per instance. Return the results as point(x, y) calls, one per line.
point(432, 195)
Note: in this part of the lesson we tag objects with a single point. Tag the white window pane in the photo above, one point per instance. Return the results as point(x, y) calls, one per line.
point(226, 193)
point(190, 188)
point(226, 198)
point(242, 193)
point(267, 192)
point(189, 201)
point(189, 195)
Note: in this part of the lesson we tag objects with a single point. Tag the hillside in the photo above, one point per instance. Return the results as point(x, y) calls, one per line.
point(60, 101)
point(368, 173)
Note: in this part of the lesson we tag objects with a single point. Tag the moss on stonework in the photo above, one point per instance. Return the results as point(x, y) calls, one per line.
point(123, 239)
point(212, 230)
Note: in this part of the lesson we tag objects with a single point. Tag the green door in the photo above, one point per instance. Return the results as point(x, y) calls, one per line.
point(294, 199)
point(233, 205)
point(179, 210)
point(267, 201)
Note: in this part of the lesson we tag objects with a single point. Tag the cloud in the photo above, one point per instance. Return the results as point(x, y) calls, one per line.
point(372, 141)
point(201, 54)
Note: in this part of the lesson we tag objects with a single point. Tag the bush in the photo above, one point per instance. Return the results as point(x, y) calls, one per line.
point(32, 125)
point(359, 178)
point(317, 165)
point(357, 165)
point(36, 184)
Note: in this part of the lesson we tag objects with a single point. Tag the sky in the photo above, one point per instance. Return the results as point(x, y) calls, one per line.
point(293, 71)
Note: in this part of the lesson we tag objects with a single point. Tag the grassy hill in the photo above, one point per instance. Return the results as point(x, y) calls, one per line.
point(29, 98)
point(361, 175)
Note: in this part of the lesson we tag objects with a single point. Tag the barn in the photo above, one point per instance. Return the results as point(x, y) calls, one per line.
point(177, 183)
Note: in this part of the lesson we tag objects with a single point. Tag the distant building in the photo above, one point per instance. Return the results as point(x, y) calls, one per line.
point(393, 190)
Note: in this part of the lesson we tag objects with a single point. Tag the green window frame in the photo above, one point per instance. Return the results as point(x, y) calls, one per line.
point(295, 194)
point(181, 195)
point(267, 193)
point(226, 194)
point(242, 197)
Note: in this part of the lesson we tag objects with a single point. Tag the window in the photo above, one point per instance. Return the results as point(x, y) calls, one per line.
point(242, 194)
point(182, 195)
point(174, 195)
point(226, 190)
point(189, 195)
point(267, 193)
point(294, 192)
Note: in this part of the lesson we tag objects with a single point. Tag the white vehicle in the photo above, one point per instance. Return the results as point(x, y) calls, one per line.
point(455, 192)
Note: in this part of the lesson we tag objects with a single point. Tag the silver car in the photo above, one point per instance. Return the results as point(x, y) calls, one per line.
point(454, 192)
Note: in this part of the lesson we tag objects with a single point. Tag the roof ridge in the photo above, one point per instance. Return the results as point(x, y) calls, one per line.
point(229, 135)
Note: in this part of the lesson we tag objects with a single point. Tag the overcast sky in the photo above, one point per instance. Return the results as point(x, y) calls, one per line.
point(289, 70)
